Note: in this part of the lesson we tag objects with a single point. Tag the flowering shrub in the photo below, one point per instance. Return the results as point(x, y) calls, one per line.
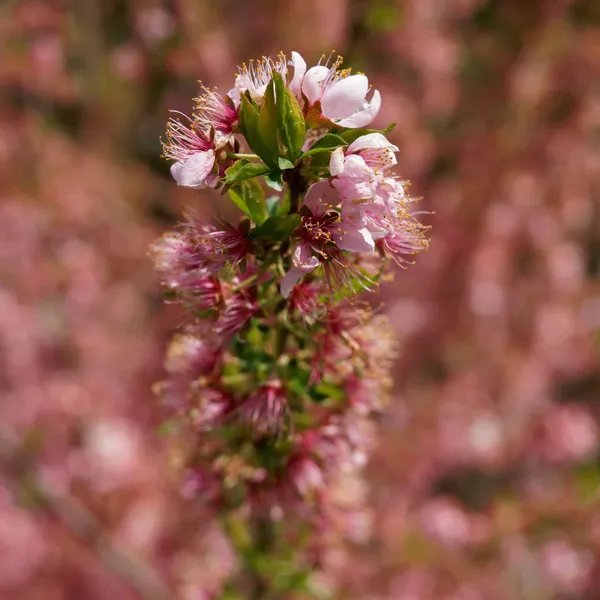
point(278, 368)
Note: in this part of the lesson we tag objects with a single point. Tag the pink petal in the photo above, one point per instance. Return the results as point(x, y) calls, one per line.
point(235, 95)
point(344, 97)
point(303, 258)
point(336, 162)
point(352, 190)
point(371, 141)
point(355, 240)
point(355, 166)
point(364, 115)
point(320, 198)
point(312, 84)
point(289, 281)
point(194, 171)
point(299, 65)
point(303, 262)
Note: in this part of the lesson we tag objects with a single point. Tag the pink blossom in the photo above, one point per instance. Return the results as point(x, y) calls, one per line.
point(341, 96)
point(239, 309)
point(354, 180)
point(195, 145)
point(179, 258)
point(194, 152)
point(305, 298)
point(306, 476)
point(358, 171)
point(326, 225)
point(255, 77)
point(212, 407)
point(189, 354)
point(266, 411)
point(214, 111)
point(324, 232)
point(444, 520)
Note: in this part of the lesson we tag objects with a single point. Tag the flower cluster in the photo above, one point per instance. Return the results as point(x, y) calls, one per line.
point(276, 373)
point(353, 205)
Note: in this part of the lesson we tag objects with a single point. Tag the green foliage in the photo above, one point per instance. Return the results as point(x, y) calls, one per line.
point(278, 205)
point(242, 170)
point(277, 229)
point(284, 163)
point(276, 130)
point(327, 143)
point(291, 124)
point(274, 180)
point(249, 197)
point(350, 135)
point(259, 128)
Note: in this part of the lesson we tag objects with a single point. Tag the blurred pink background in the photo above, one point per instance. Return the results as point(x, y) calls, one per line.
point(486, 481)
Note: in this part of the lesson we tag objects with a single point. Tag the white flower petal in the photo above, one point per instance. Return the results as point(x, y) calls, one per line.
point(336, 162)
point(299, 65)
point(312, 84)
point(235, 95)
point(344, 97)
point(371, 141)
point(363, 117)
point(194, 171)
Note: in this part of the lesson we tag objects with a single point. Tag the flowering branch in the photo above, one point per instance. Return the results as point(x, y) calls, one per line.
point(277, 370)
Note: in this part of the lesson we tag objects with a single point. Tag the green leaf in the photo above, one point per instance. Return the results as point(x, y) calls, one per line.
point(242, 170)
point(328, 391)
point(327, 143)
point(249, 197)
point(274, 180)
point(349, 135)
point(251, 128)
point(291, 124)
point(284, 163)
point(278, 205)
point(267, 122)
point(277, 229)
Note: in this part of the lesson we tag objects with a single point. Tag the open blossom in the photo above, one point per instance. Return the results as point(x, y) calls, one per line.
point(194, 150)
point(216, 112)
point(255, 76)
point(195, 145)
point(358, 171)
point(324, 231)
point(341, 97)
point(199, 247)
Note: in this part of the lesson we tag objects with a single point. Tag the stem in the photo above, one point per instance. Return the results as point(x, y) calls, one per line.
point(297, 188)
point(261, 527)
point(237, 155)
point(262, 533)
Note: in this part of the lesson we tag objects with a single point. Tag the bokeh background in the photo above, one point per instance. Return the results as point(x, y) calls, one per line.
point(486, 481)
